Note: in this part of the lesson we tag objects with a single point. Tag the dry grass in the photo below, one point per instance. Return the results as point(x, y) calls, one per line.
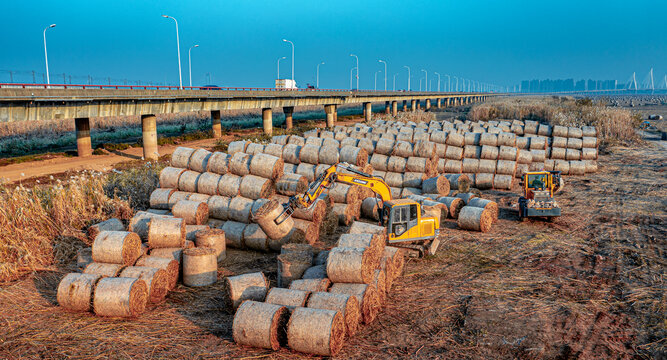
point(416, 116)
point(45, 224)
point(616, 126)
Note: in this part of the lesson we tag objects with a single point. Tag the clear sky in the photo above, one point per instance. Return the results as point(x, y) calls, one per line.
point(494, 41)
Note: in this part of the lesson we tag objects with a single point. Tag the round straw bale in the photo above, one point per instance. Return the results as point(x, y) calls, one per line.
point(328, 155)
point(507, 139)
point(316, 331)
point(321, 258)
point(591, 166)
point(453, 204)
point(353, 155)
point(487, 166)
point(254, 149)
point(175, 253)
point(292, 267)
point(454, 152)
point(192, 230)
point(370, 208)
point(487, 139)
point(315, 141)
point(455, 139)
point(461, 182)
point(530, 127)
point(577, 167)
point(291, 154)
point(170, 266)
point(192, 212)
point(347, 305)
point(383, 146)
point(214, 239)
point(424, 149)
point(421, 136)
point(239, 164)
point(252, 286)
point(549, 164)
point(116, 247)
point(523, 143)
point(351, 265)
point(303, 250)
point(484, 181)
point(490, 205)
point(200, 266)
point(305, 231)
point(589, 142)
point(289, 168)
point(329, 142)
point(380, 281)
point(208, 183)
point(312, 285)
point(157, 280)
point(314, 213)
point(436, 185)
point(234, 234)
point(103, 269)
point(472, 152)
point(374, 242)
point(309, 154)
point(558, 142)
point(589, 131)
point(169, 177)
point(291, 184)
point(112, 224)
point(403, 149)
point(266, 216)
point(287, 297)
point(475, 218)
point(405, 136)
point(75, 291)
point(306, 170)
point(517, 129)
point(563, 166)
point(574, 132)
point(166, 232)
point(367, 144)
point(507, 153)
point(218, 163)
point(589, 154)
point(395, 192)
point(180, 158)
point(199, 160)
point(574, 143)
point(188, 181)
point(237, 146)
point(413, 180)
point(297, 140)
point(536, 166)
point(469, 166)
point(396, 164)
point(506, 167)
point(559, 131)
point(159, 198)
point(544, 130)
point(345, 212)
point(255, 187)
point(240, 209)
point(417, 164)
point(466, 196)
point(524, 156)
point(379, 162)
point(439, 136)
point(344, 194)
point(503, 181)
point(489, 152)
point(274, 149)
point(260, 324)
point(572, 154)
point(266, 166)
point(538, 155)
point(218, 207)
point(348, 141)
point(120, 297)
point(471, 138)
point(369, 301)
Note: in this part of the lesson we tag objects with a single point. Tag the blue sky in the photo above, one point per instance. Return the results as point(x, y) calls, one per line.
point(499, 42)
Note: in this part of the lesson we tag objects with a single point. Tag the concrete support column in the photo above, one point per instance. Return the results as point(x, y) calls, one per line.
point(405, 105)
point(335, 114)
point(216, 125)
point(289, 112)
point(394, 107)
point(387, 107)
point(413, 105)
point(368, 111)
point(149, 136)
point(83, 143)
point(438, 103)
point(329, 110)
point(427, 107)
point(267, 121)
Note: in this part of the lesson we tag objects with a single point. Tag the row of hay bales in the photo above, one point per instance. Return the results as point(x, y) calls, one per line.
point(322, 298)
point(121, 275)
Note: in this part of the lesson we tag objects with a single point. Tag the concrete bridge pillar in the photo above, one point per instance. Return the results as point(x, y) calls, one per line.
point(394, 107)
point(289, 112)
point(216, 125)
point(83, 143)
point(368, 111)
point(413, 105)
point(335, 114)
point(438, 103)
point(427, 106)
point(405, 105)
point(149, 136)
point(387, 107)
point(329, 110)
point(267, 121)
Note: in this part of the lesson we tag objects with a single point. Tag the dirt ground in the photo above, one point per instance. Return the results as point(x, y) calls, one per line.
point(589, 285)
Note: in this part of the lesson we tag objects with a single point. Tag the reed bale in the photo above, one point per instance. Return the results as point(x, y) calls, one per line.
point(589, 142)
point(380, 282)
point(164, 212)
point(504, 182)
point(589, 131)
point(396, 164)
point(375, 242)
point(296, 140)
point(530, 127)
point(188, 181)
point(218, 163)
point(349, 141)
point(314, 213)
point(489, 152)
point(454, 152)
point(507, 153)
point(305, 231)
point(208, 183)
point(574, 143)
point(290, 298)
point(421, 136)
point(417, 164)
point(370, 208)
point(266, 166)
point(315, 272)
point(306, 170)
point(403, 149)
point(439, 137)
point(120, 297)
point(577, 167)
point(330, 142)
point(563, 166)
point(116, 247)
point(239, 164)
point(369, 301)
point(507, 139)
point(471, 138)
point(75, 291)
point(214, 239)
point(84, 257)
point(405, 136)
point(505, 167)
point(252, 286)
point(156, 279)
point(200, 266)
point(291, 267)
point(309, 154)
point(517, 129)
point(112, 224)
point(455, 140)
point(484, 181)
point(383, 146)
point(234, 231)
point(344, 194)
point(475, 219)
point(240, 209)
point(237, 146)
point(192, 212)
point(316, 331)
point(549, 164)
point(166, 232)
point(199, 160)
point(353, 155)
point(574, 132)
point(255, 187)
point(351, 265)
point(289, 168)
point(394, 179)
point(169, 265)
point(169, 177)
point(347, 305)
point(559, 131)
point(328, 155)
point(180, 158)
point(536, 166)
point(192, 230)
point(524, 156)
point(291, 154)
point(469, 166)
point(174, 253)
point(572, 154)
point(413, 180)
point(314, 141)
point(538, 155)
point(589, 154)
point(424, 149)
point(461, 182)
point(260, 325)
point(291, 184)
point(436, 185)
point(254, 149)
point(488, 139)
point(266, 215)
point(379, 162)
point(558, 153)
point(218, 207)
point(471, 152)
point(311, 285)
point(453, 205)
point(537, 143)
point(103, 269)
point(490, 205)
point(487, 166)
point(590, 166)
point(345, 213)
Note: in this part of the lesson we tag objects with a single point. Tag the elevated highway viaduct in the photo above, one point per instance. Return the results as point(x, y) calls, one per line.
point(81, 102)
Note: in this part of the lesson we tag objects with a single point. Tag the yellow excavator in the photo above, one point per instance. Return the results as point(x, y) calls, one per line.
point(407, 224)
point(538, 199)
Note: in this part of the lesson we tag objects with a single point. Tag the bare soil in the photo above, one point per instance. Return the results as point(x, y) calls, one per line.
point(589, 285)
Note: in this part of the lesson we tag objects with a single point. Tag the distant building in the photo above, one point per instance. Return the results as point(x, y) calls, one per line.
point(566, 85)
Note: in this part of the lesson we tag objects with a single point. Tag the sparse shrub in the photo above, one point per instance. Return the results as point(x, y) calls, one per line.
point(134, 184)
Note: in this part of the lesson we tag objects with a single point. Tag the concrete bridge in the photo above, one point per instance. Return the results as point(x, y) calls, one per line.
point(81, 102)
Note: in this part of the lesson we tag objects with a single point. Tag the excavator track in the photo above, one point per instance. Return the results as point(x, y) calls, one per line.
point(420, 250)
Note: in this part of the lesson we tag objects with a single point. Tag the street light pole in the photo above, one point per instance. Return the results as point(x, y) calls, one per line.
point(280, 58)
point(351, 71)
point(318, 74)
point(376, 80)
point(457, 83)
point(426, 78)
point(178, 47)
point(438, 81)
point(407, 67)
point(285, 40)
point(395, 81)
point(356, 57)
point(190, 62)
point(385, 73)
point(46, 57)
point(449, 83)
